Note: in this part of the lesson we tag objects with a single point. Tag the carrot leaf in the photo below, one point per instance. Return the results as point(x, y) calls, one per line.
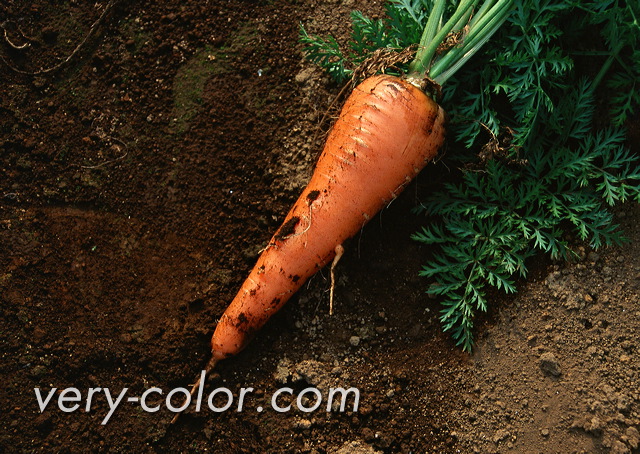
point(560, 168)
point(325, 53)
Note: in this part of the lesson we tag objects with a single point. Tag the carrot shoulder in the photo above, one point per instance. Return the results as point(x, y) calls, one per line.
point(387, 131)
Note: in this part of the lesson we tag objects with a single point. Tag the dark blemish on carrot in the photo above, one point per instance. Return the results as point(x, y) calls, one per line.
point(275, 302)
point(393, 87)
point(288, 228)
point(253, 292)
point(242, 320)
point(249, 333)
point(295, 278)
point(430, 123)
point(313, 195)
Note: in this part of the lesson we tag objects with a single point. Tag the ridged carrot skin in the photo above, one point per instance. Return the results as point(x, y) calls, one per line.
point(387, 131)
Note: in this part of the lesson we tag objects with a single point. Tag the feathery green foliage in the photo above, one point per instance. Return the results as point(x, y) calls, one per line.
point(556, 174)
point(619, 22)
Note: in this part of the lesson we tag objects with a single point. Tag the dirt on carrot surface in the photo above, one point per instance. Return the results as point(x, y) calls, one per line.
point(140, 178)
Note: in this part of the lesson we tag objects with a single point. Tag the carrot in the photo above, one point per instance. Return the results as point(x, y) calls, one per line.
point(387, 131)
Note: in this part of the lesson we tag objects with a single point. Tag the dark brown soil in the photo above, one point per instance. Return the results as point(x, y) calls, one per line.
point(139, 180)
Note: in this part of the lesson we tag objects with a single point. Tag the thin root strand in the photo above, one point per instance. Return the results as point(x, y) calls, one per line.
point(196, 386)
point(339, 251)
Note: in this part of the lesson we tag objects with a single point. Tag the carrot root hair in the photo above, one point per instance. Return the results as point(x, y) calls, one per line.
point(196, 386)
point(339, 251)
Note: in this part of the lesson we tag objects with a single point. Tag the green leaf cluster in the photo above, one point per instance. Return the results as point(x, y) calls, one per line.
point(368, 35)
point(619, 22)
point(495, 218)
point(526, 65)
point(559, 174)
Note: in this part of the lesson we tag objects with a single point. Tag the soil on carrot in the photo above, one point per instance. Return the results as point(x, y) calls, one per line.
point(139, 181)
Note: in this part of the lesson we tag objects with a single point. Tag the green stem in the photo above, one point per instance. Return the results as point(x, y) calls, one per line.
point(481, 12)
point(606, 66)
point(428, 45)
point(486, 21)
point(479, 33)
point(614, 55)
point(633, 14)
point(433, 22)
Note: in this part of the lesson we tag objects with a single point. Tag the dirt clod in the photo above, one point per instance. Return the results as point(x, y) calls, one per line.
point(355, 447)
point(549, 364)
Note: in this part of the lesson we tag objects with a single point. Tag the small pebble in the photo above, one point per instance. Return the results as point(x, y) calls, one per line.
point(633, 437)
point(549, 364)
point(303, 424)
point(381, 329)
point(39, 371)
point(500, 435)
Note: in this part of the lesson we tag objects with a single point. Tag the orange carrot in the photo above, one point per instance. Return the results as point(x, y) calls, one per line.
point(386, 133)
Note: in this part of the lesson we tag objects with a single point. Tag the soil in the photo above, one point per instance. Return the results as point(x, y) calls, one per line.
point(140, 178)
